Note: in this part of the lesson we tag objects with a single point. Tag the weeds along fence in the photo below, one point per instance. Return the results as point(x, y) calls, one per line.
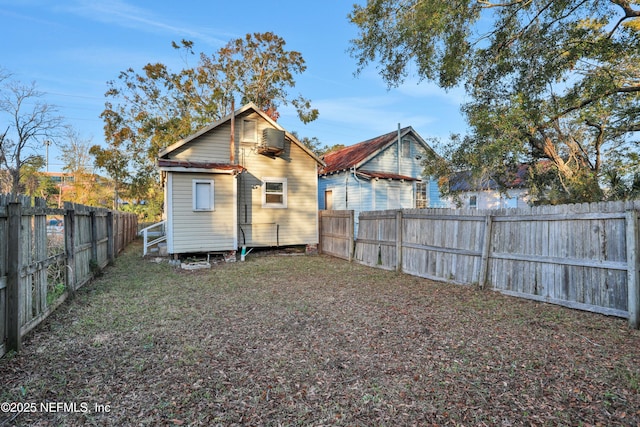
point(47, 254)
point(581, 256)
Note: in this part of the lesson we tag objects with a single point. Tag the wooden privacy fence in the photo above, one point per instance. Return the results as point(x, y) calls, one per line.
point(580, 256)
point(336, 229)
point(47, 254)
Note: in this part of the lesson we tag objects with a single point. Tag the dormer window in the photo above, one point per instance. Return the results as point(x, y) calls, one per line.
point(249, 131)
point(406, 148)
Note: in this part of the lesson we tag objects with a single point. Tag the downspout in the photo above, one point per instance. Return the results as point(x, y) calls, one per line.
point(346, 191)
point(353, 171)
point(232, 140)
point(399, 150)
point(355, 176)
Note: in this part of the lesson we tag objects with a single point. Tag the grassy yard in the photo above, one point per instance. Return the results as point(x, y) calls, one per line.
point(313, 340)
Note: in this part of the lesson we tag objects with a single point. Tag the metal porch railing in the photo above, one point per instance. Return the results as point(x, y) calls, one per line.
point(157, 232)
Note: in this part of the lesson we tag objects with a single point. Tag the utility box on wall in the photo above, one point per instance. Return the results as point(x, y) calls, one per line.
point(272, 142)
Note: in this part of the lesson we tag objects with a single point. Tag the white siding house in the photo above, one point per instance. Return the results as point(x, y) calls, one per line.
point(488, 194)
point(381, 173)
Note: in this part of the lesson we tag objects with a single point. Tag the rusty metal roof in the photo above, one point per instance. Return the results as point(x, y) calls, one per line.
point(221, 167)
point(355, 155)
point(385, 175)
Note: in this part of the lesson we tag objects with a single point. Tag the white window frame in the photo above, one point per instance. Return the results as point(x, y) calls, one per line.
point(282, 181)
point(473, 201)
point(194, 194)
point(422, 195)
point(510, 202)
point(249, 138)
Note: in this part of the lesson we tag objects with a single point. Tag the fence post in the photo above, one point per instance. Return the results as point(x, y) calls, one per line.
point(632, 269)
point(320, 231)
point(486, 248)
point(94, 236)
point(352, 226)
point(399, 241)
point(69, 240)
point(117, 227)
point(14, 264)
point(110, 240)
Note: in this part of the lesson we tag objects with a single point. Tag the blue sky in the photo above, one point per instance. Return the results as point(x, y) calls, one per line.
point(71, 48)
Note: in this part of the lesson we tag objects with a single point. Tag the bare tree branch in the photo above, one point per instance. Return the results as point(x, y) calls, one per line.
point(27, 127)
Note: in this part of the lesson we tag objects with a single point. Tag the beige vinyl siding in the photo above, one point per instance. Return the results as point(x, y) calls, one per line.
point(256, 226)
point(205, 231)
point(212, 146)
point(295, 225)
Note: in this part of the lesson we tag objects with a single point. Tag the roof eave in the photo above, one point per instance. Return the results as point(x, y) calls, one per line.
point(250, 106)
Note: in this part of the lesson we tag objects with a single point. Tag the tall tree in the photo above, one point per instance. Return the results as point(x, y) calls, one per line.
point(554, 84)
point(25, 123)
point(74, 153)
point(86, 187)
point(156, 107)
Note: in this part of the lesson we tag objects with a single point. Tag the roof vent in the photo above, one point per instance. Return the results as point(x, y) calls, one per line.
point(272, 142)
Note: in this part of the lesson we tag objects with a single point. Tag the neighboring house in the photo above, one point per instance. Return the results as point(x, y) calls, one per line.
point(486, 194)
point(385, 172)
point(257, 189)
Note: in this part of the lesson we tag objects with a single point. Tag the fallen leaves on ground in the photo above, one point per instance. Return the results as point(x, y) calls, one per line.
point(313, 340)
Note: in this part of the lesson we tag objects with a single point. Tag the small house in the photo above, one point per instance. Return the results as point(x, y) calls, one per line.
point(242, 181)
point(385, 172)
point(489, 193)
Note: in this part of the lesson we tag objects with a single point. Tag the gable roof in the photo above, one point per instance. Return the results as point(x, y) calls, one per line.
point(354, 156)
point(246, 109)
point(465, 181)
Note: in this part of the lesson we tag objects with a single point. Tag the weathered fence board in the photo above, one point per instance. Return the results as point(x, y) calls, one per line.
point(377, 240)
point(442, 246)
point(336, 231)
point(32, 269)
point(582, 256)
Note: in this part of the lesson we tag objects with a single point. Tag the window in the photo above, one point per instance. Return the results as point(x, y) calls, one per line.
point(202, 191)
point(249, 131)
point(406, 148)
point(274, 192)
point(421, 195)
point(510, 202)
point(473, 201)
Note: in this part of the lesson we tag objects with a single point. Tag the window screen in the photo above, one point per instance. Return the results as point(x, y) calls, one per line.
point(202, 195)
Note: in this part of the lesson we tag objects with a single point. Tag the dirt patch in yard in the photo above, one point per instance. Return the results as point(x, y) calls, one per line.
point(314, 340)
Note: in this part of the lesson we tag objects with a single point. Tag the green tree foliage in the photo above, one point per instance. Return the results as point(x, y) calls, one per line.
point(312, 144)
point(153, 108)
point(553, 84)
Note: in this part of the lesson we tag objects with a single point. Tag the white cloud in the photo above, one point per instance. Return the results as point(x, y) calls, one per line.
point(424, 89)
point(415, 88)
point(122, 14)
point(350, 120)
point(380, 113)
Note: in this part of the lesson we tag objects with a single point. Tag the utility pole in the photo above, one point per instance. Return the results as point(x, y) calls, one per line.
point(47, 143)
